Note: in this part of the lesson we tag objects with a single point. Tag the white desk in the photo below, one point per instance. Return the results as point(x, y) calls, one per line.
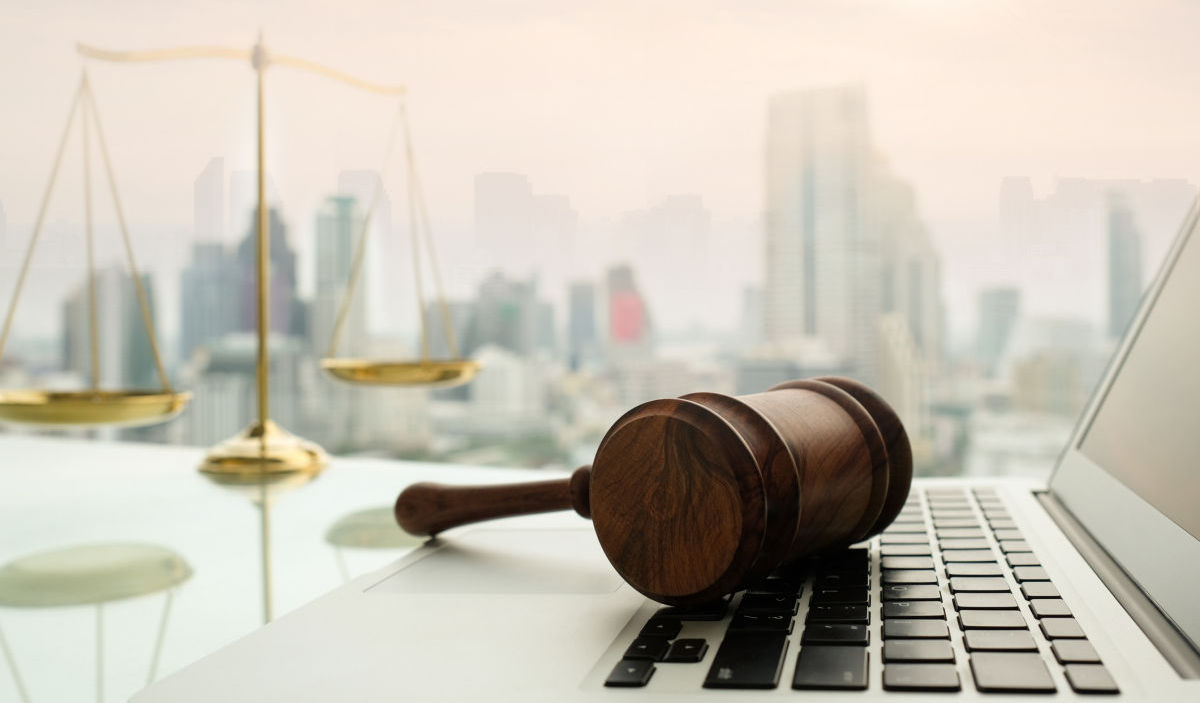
point(61, 493)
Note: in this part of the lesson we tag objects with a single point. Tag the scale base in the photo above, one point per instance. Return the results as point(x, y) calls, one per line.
point(263, 450)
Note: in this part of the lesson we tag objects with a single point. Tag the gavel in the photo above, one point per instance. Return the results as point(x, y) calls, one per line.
point(699, 496)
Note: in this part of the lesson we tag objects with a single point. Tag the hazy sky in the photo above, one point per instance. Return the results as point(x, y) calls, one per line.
point(615, 104)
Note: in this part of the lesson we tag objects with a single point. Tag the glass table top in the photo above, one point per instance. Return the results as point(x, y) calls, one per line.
point(120, 563)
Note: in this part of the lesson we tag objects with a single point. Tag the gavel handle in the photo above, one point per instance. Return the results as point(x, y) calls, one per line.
point(430, 508)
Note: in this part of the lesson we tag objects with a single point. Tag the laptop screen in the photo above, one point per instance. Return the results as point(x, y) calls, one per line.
point(1146, 430)
point(1131, 476)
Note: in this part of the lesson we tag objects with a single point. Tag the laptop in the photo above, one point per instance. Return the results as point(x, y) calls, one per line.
point(981, 589)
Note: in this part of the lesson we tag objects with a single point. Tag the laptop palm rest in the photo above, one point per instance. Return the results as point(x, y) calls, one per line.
point(508, 561)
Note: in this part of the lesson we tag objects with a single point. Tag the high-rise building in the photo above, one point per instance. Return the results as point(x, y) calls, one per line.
point(208, 304)
point(243, 200)
point(999, 309)
point(208, 204)
point(844, 242)
point(287, 312)
point(520, 232)
point(509, 314)
point(630, 331)
point(582, 340)
point(668, 244)
point(1124, 265)
point(126, 359)
point(388, 266)
point(338, 223)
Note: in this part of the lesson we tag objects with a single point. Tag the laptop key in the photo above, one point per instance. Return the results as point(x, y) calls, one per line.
point(1011, 672)
point(999, 641)
point(974, 569)
point(762, 622)
point(906, 563)
point(984, 601)
point(1049, 608)
point(662, 627)
point(1074, 652)
point(686, 651)
point(920, 677)
point(630, 674)
point(917, 651)
point(1006, 533)
point(827, 667)
point(905, 550)
point(960, 532)
point(963, 543)
point(840, 596)
point(915, 609)
point(1001, 523)
point(909, 576)
point(963, 556)
point(1030, 573)
point(748, 660)
point(648, 648)
point(843, 580)
point(991, 620)
point(1039, 589)
point(953, 522)
point(839, 613)
point(1090, 678)
point(903, 539)
point(906, 528)
point(902, 591)
point(1014, 545)
point(916, 629)
point(1023, 559)
point(707, 612)
point(1061, 628)
point(978, 584)
point(768, 602)
point(835, 633)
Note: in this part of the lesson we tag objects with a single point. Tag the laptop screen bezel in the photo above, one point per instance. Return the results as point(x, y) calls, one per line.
point(1159, 555)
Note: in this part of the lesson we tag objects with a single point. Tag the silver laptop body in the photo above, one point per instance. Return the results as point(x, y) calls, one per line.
point(528, 609)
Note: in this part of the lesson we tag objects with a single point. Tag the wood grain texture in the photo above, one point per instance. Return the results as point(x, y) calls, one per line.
point(430, 508)
point(695, 497)
point(895, 440)
point(781, 480)
point(677, 501)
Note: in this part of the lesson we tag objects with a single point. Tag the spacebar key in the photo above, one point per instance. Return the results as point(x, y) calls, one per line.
point(748, 660)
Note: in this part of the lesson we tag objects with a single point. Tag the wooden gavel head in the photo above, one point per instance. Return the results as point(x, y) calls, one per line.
point(695, 497)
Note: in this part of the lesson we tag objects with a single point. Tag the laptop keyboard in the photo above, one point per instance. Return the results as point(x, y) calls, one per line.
point(953, 567)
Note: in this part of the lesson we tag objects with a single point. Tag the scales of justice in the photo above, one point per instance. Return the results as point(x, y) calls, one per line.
point(264, 449)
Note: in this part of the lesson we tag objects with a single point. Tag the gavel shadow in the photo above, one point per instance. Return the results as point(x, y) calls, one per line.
point(514, 561)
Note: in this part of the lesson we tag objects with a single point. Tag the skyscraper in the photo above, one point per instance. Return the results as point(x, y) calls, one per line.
point(388, 267)
point(844, 242)
point(208, 204)
point(208, 305)
point(1124, 265)
point(629, 325)
point(582, 340)
point(287, 311)
point(126, 360)
point(509, 314)
point(999, 308)
point(338, 223)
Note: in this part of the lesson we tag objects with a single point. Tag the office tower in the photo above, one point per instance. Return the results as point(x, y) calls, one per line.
point(630, 333)
point(208, 204)
point(520, 232)
point(243, 200)
point(208, 302)
point(126, 359)
point(287, 312)
point(509, 315)
point(844, 242)
point(1124, 265)
point(582, 341)
point(750, 329)
point(338, 223)
point(461, 314)
point(388, 264)
point(999, 309)
point(668, 244)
